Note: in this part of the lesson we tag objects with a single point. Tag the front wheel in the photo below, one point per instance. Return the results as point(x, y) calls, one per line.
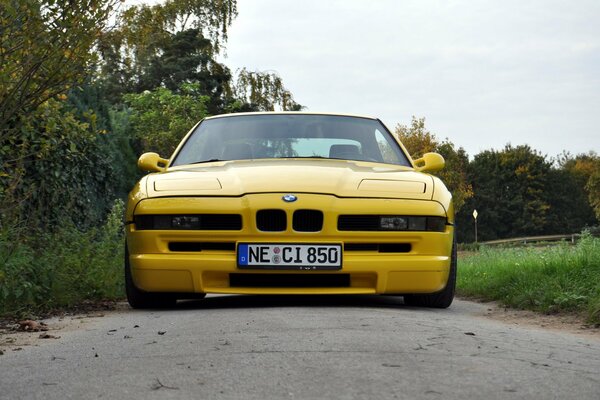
point(441, 299)
point(138, 298)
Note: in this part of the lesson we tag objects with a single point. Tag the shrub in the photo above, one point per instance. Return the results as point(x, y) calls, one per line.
point(62, 268)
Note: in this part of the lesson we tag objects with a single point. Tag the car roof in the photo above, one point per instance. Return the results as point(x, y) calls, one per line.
point(289, 113)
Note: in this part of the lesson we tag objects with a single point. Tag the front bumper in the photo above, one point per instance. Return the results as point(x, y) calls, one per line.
point(155, 268)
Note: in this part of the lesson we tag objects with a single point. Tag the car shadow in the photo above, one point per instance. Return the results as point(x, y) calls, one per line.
point(279, 301)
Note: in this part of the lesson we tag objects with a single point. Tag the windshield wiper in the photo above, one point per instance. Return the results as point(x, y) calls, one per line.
point(321, 157)
point(207, 161)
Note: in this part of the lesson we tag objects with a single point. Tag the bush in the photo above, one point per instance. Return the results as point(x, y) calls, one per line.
point(62, 268)
point(55, 168)
point(161, 118)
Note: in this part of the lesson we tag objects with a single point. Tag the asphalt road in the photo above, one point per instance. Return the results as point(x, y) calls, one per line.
point(350, 347)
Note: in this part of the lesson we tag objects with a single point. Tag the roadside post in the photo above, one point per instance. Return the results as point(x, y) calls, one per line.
point(475, 218)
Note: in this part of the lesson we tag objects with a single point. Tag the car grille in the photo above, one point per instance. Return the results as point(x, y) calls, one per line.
point(289, 280)
point(358, 223)
point(308, 220)
point(271, 220)
point(224, 222)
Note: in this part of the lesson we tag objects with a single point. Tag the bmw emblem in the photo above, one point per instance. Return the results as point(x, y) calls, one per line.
point(289, 198)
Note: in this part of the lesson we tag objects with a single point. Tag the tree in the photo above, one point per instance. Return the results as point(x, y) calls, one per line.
point(263, 91)
point(509, 193)
point(180, 38)
point(48, 155)
point(186, 57)
point(593, 187)
point(161, 118)
point(586, 169)
point(177, 42)
point(570, 208)
point(45, 48)
point(418, 141)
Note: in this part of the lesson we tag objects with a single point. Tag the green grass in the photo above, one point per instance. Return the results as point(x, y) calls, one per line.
point(557, 278)
point(61, 269)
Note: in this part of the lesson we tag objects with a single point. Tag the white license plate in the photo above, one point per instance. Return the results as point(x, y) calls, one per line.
point(289, 256)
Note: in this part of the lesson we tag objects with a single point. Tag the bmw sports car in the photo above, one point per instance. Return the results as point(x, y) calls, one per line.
point(290, 203)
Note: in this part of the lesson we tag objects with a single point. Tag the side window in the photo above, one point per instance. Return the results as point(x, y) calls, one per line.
point(387, 152)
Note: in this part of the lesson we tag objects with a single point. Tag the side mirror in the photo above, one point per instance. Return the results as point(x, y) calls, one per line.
point(152, 162)
point(430, 162)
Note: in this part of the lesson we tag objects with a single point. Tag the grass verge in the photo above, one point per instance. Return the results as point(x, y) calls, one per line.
point(63, 268)
point(558, 278)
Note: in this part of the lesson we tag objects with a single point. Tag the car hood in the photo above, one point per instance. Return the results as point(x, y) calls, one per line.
point(336, 177)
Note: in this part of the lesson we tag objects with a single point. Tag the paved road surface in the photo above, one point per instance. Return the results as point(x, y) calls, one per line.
point(350, 347)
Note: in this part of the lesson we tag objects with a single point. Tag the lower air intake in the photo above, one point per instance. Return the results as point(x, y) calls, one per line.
point(289, 280)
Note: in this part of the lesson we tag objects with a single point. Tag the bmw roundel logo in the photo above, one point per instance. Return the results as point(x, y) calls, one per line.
point(289, 198)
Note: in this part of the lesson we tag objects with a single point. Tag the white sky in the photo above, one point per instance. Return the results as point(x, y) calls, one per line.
point(482, 73)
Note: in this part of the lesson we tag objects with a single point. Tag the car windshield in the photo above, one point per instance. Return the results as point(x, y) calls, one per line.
point(245, 137)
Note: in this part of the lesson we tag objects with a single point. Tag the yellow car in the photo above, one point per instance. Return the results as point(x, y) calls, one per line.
point(290, 203)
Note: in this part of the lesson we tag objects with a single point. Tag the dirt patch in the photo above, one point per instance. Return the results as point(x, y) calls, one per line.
point(15, 335)
point(13, 338)
point(571, 323)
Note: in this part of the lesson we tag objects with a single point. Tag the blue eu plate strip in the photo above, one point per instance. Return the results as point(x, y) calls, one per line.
point(243, 254)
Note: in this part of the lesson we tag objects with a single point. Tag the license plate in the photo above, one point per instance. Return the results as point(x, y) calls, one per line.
point(289, 256)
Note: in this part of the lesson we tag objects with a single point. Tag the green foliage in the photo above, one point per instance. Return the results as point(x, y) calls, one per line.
point(586, 167)
point(49, 154)
point(45, 48)
point(187, 57)
point(168, 44)
point(19, 277)
point(122, 151)
point(115, 142)
point(509, 195)
point(570, 208)
point(468, 246)
point(161, 118)
point(552, 279)
point(593, 188)
point(263, 91)
point(144, 26)
point(174, 43)
point(62, 268)
point(418, 141)
point(519, 192)
point(56, 160)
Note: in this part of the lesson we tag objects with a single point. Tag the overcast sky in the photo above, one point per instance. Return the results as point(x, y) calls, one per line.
point(482, 73)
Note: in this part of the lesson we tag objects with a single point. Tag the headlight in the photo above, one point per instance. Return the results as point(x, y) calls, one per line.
point(185, 222)
point(404, 223)
point(393, 223)
point(227, 222)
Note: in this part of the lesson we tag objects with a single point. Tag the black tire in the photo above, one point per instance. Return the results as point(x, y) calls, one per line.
point(441, 299)
point(140, 299)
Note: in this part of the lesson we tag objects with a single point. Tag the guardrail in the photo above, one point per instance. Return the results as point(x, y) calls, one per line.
point(533, 239)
